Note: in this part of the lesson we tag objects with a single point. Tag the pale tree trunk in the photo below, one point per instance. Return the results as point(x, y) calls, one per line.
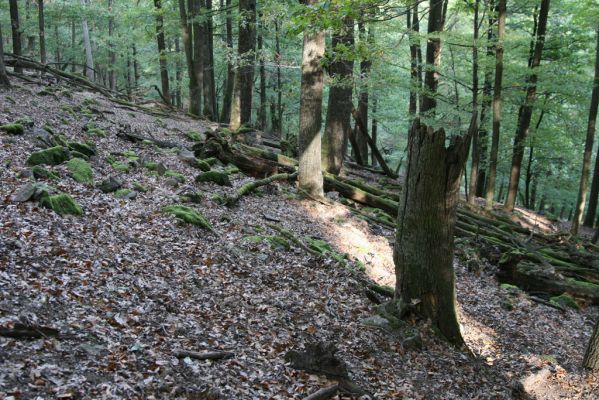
point(337, 127)
point(42, 31)
point(501, 15)
point(363, 100)
point(588, 149)
point(526, 109)
point(591, 357)
point(310, 171)
point(241, 110)
point(186, 34)
point(261, 116)
point(16, 31)
point(89, 58)
point(230, 79)
point(111, 53)
point(30, 38)
point(475, 139)
point(4, 81)
point(423, 250)
point(166, 92)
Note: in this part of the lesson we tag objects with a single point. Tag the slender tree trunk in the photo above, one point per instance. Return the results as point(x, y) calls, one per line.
point(527, 108)
point(57, 53)
point(588, 149)
point(241, 111)
point(4, 81)
point(337, 127)
point(135, 66)
point(208, 85)
point(73, 35)
point(160, 40)
point(42, 30)
point(591, 357)
point(16, 31)
point(529, 175)
point(261, 117)
point(186, 34)
point(89, 58)
point(501, 15)
point(374, 128)
point(128, 74)
point(111, 52)
point(363, 95)
point(310, 171)
point(30, 38)
point(279, 81)
point(198, 56)
point(230, 79)
point(475, 139)
point(178, 74)
point(423, 251)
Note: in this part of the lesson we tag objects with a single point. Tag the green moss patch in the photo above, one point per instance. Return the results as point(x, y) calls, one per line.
point(62, 204)
point(325, 248)
point(40, 172)
point(83, 148)
point(188, 215)
point(138, 187)
point(176, 175)
point(565, 300)
point(195, 136)
point(218, 177)
point(275, 241)
point(52, 156)
point(81, 171)
point(119, 166)
point(124, 194)
point(13, 129)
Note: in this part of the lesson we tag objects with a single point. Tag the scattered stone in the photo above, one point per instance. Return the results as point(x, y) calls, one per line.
point(188, 215)
point(202, 165)
point(109, 185)
point(565, 300)
point(187, 157)
point(62, 204)
point(25, 173)
point(180, 178)
point(44, 137)
point(218, 177)
point(139, 187)
point(81, 171)
point(52, 156)
point(12, 129)
point(125, 194)
point(413, 342)
point(23, 194)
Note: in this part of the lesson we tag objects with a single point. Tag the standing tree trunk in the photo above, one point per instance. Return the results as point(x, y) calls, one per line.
point(279, 128)
point(423, 251)
point(334, 140)
point(73, 34)
point(111, 52)
point(195, 9)
point(374, 129)
point(365, 66)
point(208, 86)
point(16, 31)
point(475, 139)
point(310, 171)
point(178, 74)
point(501, 15)
point(89, 58)
point(186, 33)
point(4, 81)
point(230, 79)
point(261, 116)
point(241, 110)
point(42, 30)
point(588, 147)
point(526, 109)
point(30, 38)
point(591, 357)
point(166, 92)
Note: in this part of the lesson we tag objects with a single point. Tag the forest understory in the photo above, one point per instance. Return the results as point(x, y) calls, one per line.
point(119, 295)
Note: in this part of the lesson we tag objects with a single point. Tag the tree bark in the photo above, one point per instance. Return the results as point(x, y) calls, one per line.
point(178, 74)
point(16, 31)
point(261, 116)
point(363, 96)
point(42, 30)
point(310, 171)
point(374, 129)
point(279, 128)
point(501, 15)
point(423, 250)
point(241, 110)
point(591, 356)
point(208, 84)
point(527, 108)
point(4, 81)
point(186, 34)
point(475, 139)
point(30, 47)
point(337, 127)
point(73, 34)
point(161, 42)
point(195, 8)
point(89, 57)
point(111, 52)
point(230, 78)
point(135, 65)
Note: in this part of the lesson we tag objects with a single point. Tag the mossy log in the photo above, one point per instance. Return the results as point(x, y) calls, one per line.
point(251, 186)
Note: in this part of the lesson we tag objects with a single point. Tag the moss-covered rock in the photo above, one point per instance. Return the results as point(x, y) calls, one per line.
point(188, 215)
point(565, 300)
point(125, 194)
point(97, 132)
point(138, 187)
point(81, 171)
point(83, 148)
point(218, 177)
point(109, 185)
point(195, 136)
point(52, 156)
point(40, 172)
point(130, 154)
point(202, 165)
point(180, 178)
point(192, 197)
point(76, 154)
point(277, 242)
point(159, 168)
point(62, 204)
point(12, 129)
point(119, 166)
point(25, 121)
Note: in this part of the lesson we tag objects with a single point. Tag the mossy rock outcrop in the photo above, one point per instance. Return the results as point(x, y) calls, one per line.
point(62, 204)
point(51, 156)
point(81, 171)
point(218, 177)
point(83, 148)
point(12, 129)
point(565, 300)
point(109, 185)
point(188, 215)
point(125, 194)
point(40, 172)
point(180, 178)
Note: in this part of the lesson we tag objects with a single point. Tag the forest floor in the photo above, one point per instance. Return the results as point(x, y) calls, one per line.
point(127, 286)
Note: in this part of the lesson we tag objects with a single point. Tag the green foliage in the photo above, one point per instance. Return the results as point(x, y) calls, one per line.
point(12, 129)
point(81, 171)
point(188, 215)
point(40, 172)
point(51, 156)
point(176, 175)
point(62, 204)
point(218, 177)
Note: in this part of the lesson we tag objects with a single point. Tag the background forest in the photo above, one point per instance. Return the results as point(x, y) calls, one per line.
point(125, 56)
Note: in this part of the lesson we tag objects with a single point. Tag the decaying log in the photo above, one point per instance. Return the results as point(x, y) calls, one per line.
point(251, 186)
point(22, 331)
point(209, 355)
point(324, 393)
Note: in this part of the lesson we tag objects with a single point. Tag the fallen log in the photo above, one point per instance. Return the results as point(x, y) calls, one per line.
point(324, 393)
point(209, 355)
point(251, 186)
point(23, 331)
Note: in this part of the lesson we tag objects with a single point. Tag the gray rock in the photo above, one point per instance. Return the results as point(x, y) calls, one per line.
point(376, 321)
point(187, 157)
point(24, 193)
point(172, 182)
point(110, 185)
point(413, 342)
point(161, 169)
point(44, 138)
point(25, 173)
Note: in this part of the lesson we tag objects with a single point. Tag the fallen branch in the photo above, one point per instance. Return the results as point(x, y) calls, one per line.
point(210, 355)
point(251, 186)
point(285, 233)
point(22, 331)
point(324, 393)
